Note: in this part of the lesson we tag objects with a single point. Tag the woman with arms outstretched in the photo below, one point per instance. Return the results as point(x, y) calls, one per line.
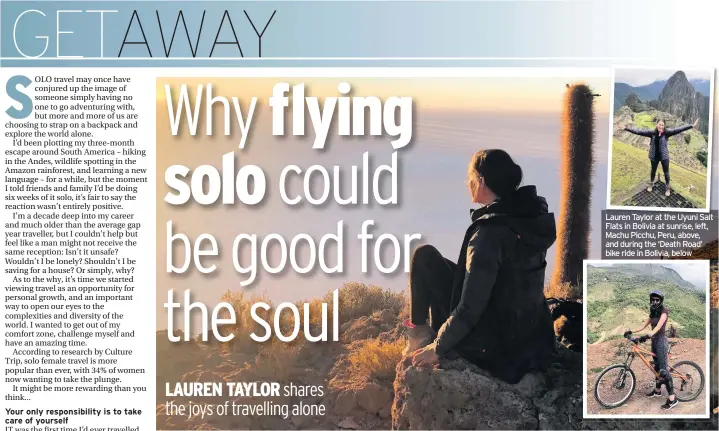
point(489, 306)
point(658, 316)
point(659, 147)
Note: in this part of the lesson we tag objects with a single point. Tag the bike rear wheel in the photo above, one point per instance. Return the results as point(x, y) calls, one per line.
point(614, 386)
point(689, 385)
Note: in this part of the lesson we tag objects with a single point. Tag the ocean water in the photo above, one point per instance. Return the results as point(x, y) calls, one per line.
point(433, 200)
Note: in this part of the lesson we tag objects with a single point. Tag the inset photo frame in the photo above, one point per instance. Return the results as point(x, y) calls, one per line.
point(660, 147)
point(646, 339)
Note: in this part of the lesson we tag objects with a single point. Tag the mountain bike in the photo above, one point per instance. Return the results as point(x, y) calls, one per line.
point(687, 376)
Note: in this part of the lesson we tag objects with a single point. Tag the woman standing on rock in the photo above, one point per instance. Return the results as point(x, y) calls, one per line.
point(489, 307)
point(658, 316)
point(659, 147)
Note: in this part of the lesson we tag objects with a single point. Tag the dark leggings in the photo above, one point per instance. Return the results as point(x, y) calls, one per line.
point(430, 286)
point(660, 347)
point(665, 168)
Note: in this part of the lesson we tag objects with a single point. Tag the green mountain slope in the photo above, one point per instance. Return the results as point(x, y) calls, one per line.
point(618, 300)
point(622, 90)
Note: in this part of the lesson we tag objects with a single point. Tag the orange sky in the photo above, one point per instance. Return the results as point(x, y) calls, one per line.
point(463, 94)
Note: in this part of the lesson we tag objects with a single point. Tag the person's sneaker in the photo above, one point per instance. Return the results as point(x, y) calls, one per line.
point(669, 404)
point(654, 393)
point(417, 337)
point(650, 188)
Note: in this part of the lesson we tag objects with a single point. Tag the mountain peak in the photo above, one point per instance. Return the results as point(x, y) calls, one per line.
point(679, 75)
point(681, 99)
point(677, 86)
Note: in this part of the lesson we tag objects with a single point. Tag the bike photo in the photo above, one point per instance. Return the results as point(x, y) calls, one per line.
point(646, 339)
point(686, 378)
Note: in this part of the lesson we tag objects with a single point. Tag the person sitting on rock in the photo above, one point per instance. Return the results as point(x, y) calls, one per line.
point(659, 148)
point(488, 307)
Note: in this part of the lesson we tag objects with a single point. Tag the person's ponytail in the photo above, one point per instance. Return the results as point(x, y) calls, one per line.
point(515, 176)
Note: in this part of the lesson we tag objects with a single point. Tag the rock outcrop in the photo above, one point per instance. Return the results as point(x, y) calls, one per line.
point(636, 104)
point(458, 396)
point(461, 396)
point(681, 99)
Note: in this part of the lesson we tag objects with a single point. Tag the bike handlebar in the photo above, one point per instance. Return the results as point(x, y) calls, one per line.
point(636, 340)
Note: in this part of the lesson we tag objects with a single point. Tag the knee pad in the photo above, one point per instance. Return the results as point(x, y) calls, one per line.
point(663, 374)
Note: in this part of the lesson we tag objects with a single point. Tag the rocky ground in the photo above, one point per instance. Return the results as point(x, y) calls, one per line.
point(460, 396)
point(368, 386)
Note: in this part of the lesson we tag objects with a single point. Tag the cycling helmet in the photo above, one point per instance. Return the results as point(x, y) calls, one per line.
point(656, 294)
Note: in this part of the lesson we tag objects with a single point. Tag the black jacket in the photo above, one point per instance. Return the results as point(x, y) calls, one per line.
point(500, 319)
point(658, 144)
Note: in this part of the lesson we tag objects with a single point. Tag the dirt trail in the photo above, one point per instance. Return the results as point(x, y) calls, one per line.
point(601, 355)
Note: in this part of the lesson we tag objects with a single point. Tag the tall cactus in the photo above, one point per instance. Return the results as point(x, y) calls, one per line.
point(576, 182)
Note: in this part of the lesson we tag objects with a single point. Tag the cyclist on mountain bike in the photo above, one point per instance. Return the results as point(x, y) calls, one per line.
point(658, 316)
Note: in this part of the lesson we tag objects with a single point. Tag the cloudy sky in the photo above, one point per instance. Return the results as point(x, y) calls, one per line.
point(693, 272)
point(639, 77)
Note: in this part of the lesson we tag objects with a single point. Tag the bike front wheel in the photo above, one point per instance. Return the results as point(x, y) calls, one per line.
point(688, 380)
point(614, 386)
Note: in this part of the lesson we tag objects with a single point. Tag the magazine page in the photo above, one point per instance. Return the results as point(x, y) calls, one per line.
point(358, 215)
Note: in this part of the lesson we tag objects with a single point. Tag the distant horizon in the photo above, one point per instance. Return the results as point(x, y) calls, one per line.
point(486, 94)
point(684, 269)
point(484, 110)
point(443, 146)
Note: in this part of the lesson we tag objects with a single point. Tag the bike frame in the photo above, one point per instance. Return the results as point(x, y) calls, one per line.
point(643, 354)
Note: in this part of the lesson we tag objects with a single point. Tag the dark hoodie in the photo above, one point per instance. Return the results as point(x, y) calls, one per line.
point(499, 318)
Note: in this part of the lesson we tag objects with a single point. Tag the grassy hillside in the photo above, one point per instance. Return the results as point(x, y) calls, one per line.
point(630, 168)
point(618, 301)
